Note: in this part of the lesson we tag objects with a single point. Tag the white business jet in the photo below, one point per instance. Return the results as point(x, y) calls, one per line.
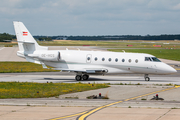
point(85, 63)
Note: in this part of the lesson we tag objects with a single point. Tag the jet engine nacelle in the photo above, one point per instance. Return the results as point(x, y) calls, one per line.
point(49, 56)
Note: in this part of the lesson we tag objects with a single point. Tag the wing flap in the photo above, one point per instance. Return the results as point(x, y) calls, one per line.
point(85, 70)
point(90, 71)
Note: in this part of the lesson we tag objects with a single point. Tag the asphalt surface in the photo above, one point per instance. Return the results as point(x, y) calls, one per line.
point(125, 102)
point(56, 77)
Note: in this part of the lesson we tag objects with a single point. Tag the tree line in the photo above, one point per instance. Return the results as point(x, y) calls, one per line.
point(116, 37)
point(6, 37)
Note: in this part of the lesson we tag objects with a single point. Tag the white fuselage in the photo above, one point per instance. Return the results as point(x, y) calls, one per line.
point(113, 62)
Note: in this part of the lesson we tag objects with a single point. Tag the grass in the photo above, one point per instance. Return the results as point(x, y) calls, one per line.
point(7, 44)
point(171, 54)
point(40, 90)
point(89, 43)
point(174, 108)
point(170, 84)
point(113, 44)
point(123, 83)
point(143, 99)
point(79, 43)
point(15, 67)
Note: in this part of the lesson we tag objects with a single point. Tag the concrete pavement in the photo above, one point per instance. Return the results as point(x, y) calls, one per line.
point(111, 113)
point(49, 108)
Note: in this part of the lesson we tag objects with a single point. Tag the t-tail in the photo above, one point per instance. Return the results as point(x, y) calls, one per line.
point(27, 44)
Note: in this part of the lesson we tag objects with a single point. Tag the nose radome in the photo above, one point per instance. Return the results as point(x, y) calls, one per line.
point(171, 69)
point(166, 69)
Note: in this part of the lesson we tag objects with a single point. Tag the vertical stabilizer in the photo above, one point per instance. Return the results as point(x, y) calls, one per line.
point(26, 42)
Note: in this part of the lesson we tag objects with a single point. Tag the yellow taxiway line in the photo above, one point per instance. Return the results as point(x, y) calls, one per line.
point(69, 116)
point(177, 68)
point(83, 117)
point(85, 114)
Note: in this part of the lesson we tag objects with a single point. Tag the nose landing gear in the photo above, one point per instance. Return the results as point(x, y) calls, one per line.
point(146, 77)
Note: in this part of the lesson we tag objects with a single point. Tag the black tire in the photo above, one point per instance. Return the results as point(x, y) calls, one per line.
point(78, 77)
point(147, 79)
point(85, 77)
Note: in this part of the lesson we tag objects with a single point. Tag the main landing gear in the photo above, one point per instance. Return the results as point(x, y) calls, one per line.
point(146, 77)
point(82, 77)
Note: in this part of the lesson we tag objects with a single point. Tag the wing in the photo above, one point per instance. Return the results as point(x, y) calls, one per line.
point(84, 71)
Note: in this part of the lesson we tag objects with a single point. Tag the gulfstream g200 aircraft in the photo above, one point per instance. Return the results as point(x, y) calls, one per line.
point(85, 63)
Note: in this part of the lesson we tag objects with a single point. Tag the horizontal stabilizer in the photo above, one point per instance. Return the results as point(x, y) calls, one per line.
point(30, 42)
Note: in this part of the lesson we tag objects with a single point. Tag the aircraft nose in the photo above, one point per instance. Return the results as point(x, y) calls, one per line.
point(166, 69)
point(171, 70)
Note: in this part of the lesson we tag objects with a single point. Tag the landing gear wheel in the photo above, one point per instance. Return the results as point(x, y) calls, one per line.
point(78, 77)
point(147, 78)
point(85, 77)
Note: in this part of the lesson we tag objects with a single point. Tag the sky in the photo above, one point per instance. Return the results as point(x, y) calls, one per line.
point(92, 17)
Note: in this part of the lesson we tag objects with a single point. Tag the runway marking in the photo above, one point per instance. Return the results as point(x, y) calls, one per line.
point(2, 48)
point(84, 115)
point(69, 116)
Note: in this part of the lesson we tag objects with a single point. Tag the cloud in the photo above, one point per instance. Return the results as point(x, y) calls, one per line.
point(177, 7)
point(89, 17)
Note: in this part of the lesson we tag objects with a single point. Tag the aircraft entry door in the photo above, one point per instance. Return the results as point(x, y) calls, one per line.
point(88, 58)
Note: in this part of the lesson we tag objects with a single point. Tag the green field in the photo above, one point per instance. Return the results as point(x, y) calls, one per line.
point(14, 67)
point(39, 90)
point(113, 44)
point(171, 54)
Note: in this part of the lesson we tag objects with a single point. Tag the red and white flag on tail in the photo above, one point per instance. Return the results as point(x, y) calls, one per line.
point(25, 33)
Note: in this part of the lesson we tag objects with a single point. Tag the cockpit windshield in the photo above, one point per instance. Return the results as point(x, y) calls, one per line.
point(154, 59)
point(148, 59)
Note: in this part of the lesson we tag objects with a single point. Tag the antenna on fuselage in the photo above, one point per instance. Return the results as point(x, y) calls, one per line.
point(124, 51)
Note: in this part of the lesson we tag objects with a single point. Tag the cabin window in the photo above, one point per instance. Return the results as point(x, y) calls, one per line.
point(136, 60)
point(129, 60)
point(123, 60)
point(109, 59)
point(116, 60)
point(95, 59)
point(103, 59)
point(88, 58)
